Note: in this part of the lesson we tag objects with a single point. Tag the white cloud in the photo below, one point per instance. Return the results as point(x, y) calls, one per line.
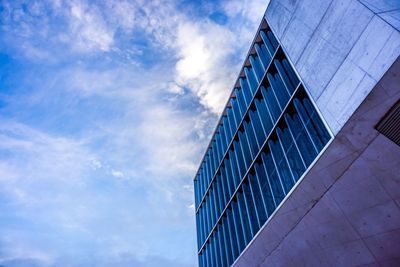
point(204, 50)
point(87, 29)
point(117, 174)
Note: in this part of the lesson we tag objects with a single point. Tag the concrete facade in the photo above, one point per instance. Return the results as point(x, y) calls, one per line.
point(346, 209)
point(341, 49)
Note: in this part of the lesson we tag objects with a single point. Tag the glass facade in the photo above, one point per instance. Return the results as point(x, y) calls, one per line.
point(267, 137)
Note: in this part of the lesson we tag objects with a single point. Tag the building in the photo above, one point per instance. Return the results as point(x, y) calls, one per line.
point(303, 168)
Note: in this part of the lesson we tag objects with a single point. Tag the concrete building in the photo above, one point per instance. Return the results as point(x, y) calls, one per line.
point(304, 166)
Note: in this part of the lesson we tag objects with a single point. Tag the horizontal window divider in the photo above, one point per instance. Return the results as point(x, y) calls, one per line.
point(270, 65)
point(264, 145)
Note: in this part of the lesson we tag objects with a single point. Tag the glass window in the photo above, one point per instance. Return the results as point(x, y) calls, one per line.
point(272, 103)
point(267, 186)
point(256, 67)
point(239, 162)
point(306, 147)
point(281, 94)
point(234, 233)
point(257, 127)
point(290, 72)
point(259, 199)
point(239, 227)
point(236, 112)
point(232, 123)
point(272, 39)
point(276, 185)
point(245, 147)
point(242, 196)
point(283, 77)
point(241, 100)
point(264, 115)
point(254, 148)
point(220, 246)
point(229, 174)
point(246, 90)
point(281, 165)
point(227, 241)
point(225, 185)
point(223, 138)
point(296, 163)
point(251, 208)
point(322, 132)
point(245, 220)
point(267, 42)
point(251, 80)
point(227, 131)
point(264, 56)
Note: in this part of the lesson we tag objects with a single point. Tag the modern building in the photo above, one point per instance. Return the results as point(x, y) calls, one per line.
point(303, 168)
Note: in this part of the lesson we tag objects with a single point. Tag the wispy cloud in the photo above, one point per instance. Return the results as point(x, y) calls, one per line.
point(105, 111)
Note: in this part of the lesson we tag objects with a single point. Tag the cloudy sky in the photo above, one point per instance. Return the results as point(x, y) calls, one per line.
point(106, 108)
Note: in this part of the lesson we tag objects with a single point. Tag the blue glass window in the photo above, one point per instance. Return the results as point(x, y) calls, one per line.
point(267, 137)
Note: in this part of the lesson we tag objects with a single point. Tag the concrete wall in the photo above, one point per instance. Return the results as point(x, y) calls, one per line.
point(341, 48)
point(346, 209)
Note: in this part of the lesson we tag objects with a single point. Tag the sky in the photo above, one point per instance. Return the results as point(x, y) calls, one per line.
point(106, 108)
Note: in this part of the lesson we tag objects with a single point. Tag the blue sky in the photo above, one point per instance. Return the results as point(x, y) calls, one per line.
point(106, 108)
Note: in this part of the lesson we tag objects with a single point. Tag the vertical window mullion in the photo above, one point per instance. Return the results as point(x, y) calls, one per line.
point(229, 175)
point(279, 134)
point(257, 70)
point(221, 194)
point(278, 182)
point(241, 100)
point(261, 173)
point(267, 43)
point(316, 120)
point(223, 138)
point(236, 113)
point(261, 209)
point(225, 183)
point(234, 234)
point(251, 139)
point(264, 58)
point(235, 166)
point(227, 243)
point(227, 131)
point(298, 107)
point(272, 39)
point(245, 148)
point(251, 80)
point(279, 160)
point(221, 246)
point(298, 165)
point(248, 96)
point(244, 218)
point(239, 227)
point(284, 77)
point(280, 97)
point(271, 101)
point(266, 118)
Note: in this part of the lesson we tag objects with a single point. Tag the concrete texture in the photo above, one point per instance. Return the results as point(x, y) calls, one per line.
point(341, 48)
point(346, 209)
point(389, 10)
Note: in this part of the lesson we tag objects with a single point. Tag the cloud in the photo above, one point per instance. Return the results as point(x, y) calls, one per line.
point(207, 62)
point(87, 29)
point(203, 65)
point(117, 174)
point(107, 115)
